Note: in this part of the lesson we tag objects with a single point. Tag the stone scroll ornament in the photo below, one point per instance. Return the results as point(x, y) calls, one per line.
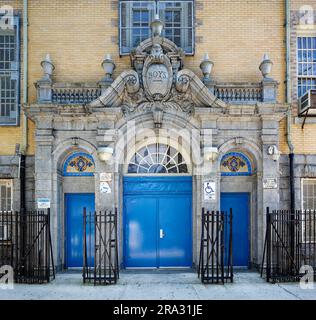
point(160, 87)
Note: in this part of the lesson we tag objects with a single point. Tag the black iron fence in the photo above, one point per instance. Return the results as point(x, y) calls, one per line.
point(25, 245)
point(100, 265)
point(290, 244)
point(216, 259)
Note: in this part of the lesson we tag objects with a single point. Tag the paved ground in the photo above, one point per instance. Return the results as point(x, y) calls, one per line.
point(160, 285)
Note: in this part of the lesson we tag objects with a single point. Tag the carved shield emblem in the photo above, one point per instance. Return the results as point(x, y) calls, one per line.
point(157, 76)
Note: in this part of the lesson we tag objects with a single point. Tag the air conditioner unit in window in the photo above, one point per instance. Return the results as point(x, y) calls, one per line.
point(307, 103)
point(3, 232)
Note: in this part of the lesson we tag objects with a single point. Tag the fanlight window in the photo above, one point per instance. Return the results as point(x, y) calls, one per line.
point(79, 164)
point(157, 158)
point(235, 164)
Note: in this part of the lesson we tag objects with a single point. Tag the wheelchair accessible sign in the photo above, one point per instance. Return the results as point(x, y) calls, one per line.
point(209, 191)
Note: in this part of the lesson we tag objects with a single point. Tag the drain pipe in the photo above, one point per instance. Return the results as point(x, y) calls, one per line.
point(24, 102)
point(289, 132)
point(289, 101)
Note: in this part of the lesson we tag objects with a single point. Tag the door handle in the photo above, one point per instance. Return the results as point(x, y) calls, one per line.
point(162, 234)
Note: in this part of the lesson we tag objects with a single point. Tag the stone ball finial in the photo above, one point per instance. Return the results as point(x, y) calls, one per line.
point(156, 26)
point(266, 66)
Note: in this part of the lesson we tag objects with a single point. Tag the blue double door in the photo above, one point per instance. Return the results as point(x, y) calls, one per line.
point(74, 204)
point(157, 222)
point(239, 202)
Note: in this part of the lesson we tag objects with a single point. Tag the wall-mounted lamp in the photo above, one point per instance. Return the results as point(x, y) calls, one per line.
point(274, 152)
point(105, 153)
point(210, 153)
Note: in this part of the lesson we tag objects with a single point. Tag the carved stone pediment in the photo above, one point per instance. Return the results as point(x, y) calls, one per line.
point(157, 83)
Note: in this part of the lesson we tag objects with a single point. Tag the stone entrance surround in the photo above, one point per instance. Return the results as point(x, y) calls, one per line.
point(157, 100)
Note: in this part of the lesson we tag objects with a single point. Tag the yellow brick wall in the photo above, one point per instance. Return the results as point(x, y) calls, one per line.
point(303, 139)
point(78, 33)
point(236, 34)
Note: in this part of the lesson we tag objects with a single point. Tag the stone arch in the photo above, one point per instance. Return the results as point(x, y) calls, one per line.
point(176, 131)
point(251, 149)
point(66, 147)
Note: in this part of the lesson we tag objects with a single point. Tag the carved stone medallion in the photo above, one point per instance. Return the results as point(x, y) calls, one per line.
point(157, 75)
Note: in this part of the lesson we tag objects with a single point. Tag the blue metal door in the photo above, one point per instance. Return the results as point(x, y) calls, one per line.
point(74, 204)
point(239, 202)
point(157, 222)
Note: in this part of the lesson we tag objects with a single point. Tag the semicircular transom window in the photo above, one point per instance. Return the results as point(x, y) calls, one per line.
point(79, 164)
point(157, 159)
point(235, 164)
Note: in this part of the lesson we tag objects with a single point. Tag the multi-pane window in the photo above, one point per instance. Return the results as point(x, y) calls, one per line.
point(309, 203)
point(136, 16)
point(9, 74)
point(5, 195)
point(306, 60)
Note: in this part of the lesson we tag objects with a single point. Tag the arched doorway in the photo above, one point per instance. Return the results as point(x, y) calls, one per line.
point(78, 192)
point(157, 209)
point(238, 189)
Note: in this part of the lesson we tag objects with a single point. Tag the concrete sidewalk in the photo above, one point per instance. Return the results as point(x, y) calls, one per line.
point(150, 285)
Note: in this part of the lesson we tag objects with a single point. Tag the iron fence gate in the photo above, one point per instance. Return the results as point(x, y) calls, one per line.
point(216, 259)
point(25, 245)
point(290, 243)
point(100, 253)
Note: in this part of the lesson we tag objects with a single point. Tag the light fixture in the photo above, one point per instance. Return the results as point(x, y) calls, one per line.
point(206, 67)
point(156, 26)
point(210, 153)
point(274, 152)
point(265, 66)
point(105, 153)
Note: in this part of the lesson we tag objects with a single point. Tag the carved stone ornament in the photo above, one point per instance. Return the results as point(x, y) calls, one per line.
point(157, 75)
point(156, 83)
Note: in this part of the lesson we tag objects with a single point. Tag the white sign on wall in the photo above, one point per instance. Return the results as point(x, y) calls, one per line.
point(270, 183)
point(43, 203)
point(105, 188)
point(105, 177)
point(209, 190)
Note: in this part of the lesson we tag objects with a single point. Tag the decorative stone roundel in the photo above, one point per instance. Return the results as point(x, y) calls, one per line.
point(235, 164)
point(79, 164)
point(157, 159)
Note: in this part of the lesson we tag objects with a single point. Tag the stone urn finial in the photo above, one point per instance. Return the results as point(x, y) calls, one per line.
point(206, 67)
point(266, 66)
point(156, 26)
point(108, 66)
point(48, 68)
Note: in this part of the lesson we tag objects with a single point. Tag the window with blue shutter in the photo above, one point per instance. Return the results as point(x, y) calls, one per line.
point(9, 71)
point(136, 16)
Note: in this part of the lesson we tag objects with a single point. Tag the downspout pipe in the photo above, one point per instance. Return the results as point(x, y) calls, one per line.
point(289, 101)
point(289, 131)
point(24, 102)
